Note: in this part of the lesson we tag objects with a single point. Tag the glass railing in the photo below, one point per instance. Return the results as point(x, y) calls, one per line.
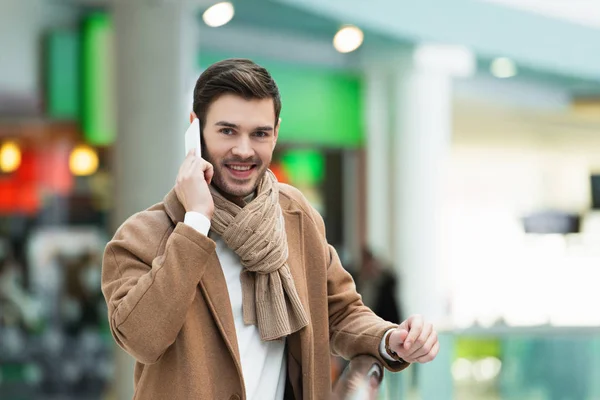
point(475, 364)
point(360, 380)
point(542, 363)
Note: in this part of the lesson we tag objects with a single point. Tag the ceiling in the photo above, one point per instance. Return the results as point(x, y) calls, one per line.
point(564, 59)
point(581, 12)
point(553, 45)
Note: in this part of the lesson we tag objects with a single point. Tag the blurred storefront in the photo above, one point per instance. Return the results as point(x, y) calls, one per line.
point(58, 185)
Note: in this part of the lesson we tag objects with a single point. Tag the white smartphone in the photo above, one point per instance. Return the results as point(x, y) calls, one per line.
point(192, 138)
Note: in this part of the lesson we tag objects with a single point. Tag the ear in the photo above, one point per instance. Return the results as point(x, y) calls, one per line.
point(192, 116)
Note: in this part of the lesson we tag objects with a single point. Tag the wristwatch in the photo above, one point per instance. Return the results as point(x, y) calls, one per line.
point(391, 352)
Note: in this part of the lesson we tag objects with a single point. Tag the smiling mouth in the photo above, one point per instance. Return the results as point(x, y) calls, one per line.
point(240, 167)
point(240, 170)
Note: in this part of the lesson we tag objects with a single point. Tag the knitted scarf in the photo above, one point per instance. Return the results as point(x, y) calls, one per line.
point(256, 233)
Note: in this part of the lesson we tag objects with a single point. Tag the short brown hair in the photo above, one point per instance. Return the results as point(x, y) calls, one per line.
point(236, 76)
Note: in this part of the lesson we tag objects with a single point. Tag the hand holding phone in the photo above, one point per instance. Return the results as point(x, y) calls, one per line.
point(195, 174)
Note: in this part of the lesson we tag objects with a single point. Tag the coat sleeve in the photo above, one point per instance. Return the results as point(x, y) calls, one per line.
point(353, 328)
point(148, 294)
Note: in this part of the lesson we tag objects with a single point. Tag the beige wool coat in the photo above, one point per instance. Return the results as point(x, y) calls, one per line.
point(169, 308)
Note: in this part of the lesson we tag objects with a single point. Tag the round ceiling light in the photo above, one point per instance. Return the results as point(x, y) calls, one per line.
point(218, 14)
point(503, 67)
point(348, 39)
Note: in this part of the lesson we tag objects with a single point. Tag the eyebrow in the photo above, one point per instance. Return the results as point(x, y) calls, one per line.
point(235, 126)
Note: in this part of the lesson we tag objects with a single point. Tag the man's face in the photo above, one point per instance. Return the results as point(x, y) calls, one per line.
point(239, 139)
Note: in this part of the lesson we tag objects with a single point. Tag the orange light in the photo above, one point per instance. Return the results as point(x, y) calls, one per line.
point(83, 161)
point(10, 157)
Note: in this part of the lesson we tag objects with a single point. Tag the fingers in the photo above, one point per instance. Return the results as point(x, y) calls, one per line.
point(192, 188)
point(420, 341)
point(186, 164)
point(209, 171)
point(415, 324)
point(431, 355)
point(415, 341)
point(193, 164)
point(397, 337)
point(429, 342)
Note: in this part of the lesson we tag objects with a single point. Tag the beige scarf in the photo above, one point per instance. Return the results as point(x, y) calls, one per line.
point(257, 235)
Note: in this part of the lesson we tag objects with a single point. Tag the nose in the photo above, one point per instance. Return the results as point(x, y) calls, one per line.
point(243, 148)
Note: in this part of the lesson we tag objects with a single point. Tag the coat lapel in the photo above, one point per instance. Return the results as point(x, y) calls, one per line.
point(299, 343)
point(215, 291)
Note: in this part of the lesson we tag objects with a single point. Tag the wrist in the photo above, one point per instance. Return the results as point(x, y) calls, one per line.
point(207, 212)
point(389, 352)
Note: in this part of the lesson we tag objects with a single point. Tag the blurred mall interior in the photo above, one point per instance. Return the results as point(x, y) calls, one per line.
point(459, 141)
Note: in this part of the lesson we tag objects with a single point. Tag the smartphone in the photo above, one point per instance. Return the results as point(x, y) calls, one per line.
point(192, 138)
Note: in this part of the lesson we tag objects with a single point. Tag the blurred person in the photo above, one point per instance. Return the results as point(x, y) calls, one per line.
point(228, 288)
point(376, 283)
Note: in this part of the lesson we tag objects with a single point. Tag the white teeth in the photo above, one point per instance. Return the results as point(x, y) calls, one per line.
point(239, 168)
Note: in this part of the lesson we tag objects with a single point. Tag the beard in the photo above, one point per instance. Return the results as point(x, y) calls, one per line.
point(230, 187)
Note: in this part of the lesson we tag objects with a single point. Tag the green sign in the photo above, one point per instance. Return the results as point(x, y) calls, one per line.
point(63, 74)
point(98, 117)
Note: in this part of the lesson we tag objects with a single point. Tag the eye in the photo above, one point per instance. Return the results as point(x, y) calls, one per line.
point(261, 134)
point(226, 131)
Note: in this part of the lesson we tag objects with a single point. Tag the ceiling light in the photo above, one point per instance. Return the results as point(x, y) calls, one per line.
point(10, 157)
point(83, 161)
point(503, 67)
point(348, 38)
point(218, 14)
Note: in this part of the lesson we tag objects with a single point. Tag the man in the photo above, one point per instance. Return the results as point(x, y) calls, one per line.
point(228, 288)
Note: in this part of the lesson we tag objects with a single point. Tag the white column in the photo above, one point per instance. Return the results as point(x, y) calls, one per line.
point(378, 183)
point(422, 129)
point(155, 51)
point(20, 30)
point(155, 46)
point(421, 142)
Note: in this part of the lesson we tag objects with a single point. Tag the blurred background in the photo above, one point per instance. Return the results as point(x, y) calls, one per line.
point(453, 148)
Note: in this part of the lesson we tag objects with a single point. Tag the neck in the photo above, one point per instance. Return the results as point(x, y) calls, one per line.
point(239, 201)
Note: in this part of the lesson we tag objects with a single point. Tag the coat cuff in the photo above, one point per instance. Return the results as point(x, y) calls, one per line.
point(382, 350)
point(388, 362)
point(198, 221)
point(194, 236)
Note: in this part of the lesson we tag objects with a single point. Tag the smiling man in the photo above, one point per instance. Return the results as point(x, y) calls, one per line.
point(228, 289)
